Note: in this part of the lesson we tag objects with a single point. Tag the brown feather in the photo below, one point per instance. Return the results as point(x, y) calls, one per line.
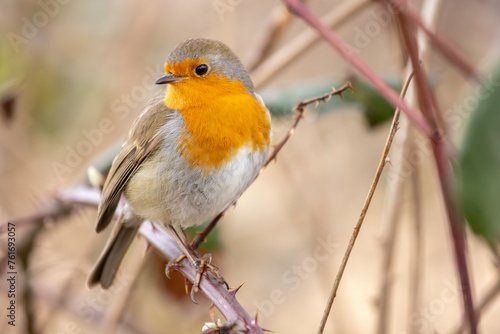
point(141, 141)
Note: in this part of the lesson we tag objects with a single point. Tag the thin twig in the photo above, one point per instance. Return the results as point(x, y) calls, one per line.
point(429, 12)
point(203, 234)
point(304, 41)
point(394, 195)
point(378, 173)
point(383, 88)
point(394, 205)
point(300, 109)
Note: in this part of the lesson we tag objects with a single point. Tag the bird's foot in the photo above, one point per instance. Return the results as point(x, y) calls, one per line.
point(204, 265)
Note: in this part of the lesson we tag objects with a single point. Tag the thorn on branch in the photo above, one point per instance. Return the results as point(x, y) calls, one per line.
point(235, 291)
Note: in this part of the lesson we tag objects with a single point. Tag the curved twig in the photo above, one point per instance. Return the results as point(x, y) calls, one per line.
point(378, 173)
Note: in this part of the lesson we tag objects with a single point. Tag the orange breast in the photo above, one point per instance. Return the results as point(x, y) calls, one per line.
point(220, 117)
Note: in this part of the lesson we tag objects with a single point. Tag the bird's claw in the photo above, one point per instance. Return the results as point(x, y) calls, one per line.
point(174, 265)
point(203, 265)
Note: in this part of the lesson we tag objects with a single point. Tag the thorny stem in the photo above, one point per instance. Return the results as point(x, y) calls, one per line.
point(300, 109)
point(445, 173)
point(378, 173)
point(430, 129)
point(457, 230)
point(223, 299)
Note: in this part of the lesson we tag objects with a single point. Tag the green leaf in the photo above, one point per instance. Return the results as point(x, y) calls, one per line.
point(479, 175)
point(375, 108)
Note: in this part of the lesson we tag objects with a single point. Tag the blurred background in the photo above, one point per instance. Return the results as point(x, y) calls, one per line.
point(75, 74)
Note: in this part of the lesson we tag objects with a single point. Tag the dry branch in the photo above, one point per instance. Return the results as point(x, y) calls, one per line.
point(430, 8)
point(388, 93)
point(427, 125)
point(364, 210)
point(445, 173)
point(223, 299)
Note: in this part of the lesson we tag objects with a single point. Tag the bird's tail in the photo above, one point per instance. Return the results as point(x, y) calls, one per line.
point(105, 269)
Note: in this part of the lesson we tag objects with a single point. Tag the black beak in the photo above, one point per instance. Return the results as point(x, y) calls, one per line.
point(168, 78)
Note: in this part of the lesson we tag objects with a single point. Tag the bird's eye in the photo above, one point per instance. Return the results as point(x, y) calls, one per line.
point(201, 69)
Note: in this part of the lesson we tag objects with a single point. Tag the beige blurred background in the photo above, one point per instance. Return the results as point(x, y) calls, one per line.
point(91, 62)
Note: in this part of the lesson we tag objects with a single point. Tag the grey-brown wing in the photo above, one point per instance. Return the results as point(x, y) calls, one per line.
point(142, 140)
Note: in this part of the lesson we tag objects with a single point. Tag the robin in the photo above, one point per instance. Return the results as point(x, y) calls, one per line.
point(189, 155)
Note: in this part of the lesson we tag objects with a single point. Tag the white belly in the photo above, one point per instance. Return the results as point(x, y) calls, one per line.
point(165, 190)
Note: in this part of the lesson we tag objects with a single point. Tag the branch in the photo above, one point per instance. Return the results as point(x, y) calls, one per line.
point(300, 108)
point(445, 173)
point(54, 210)
point(223, 299)
point(430, 10)
point(378, 173)
point(388, 93)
